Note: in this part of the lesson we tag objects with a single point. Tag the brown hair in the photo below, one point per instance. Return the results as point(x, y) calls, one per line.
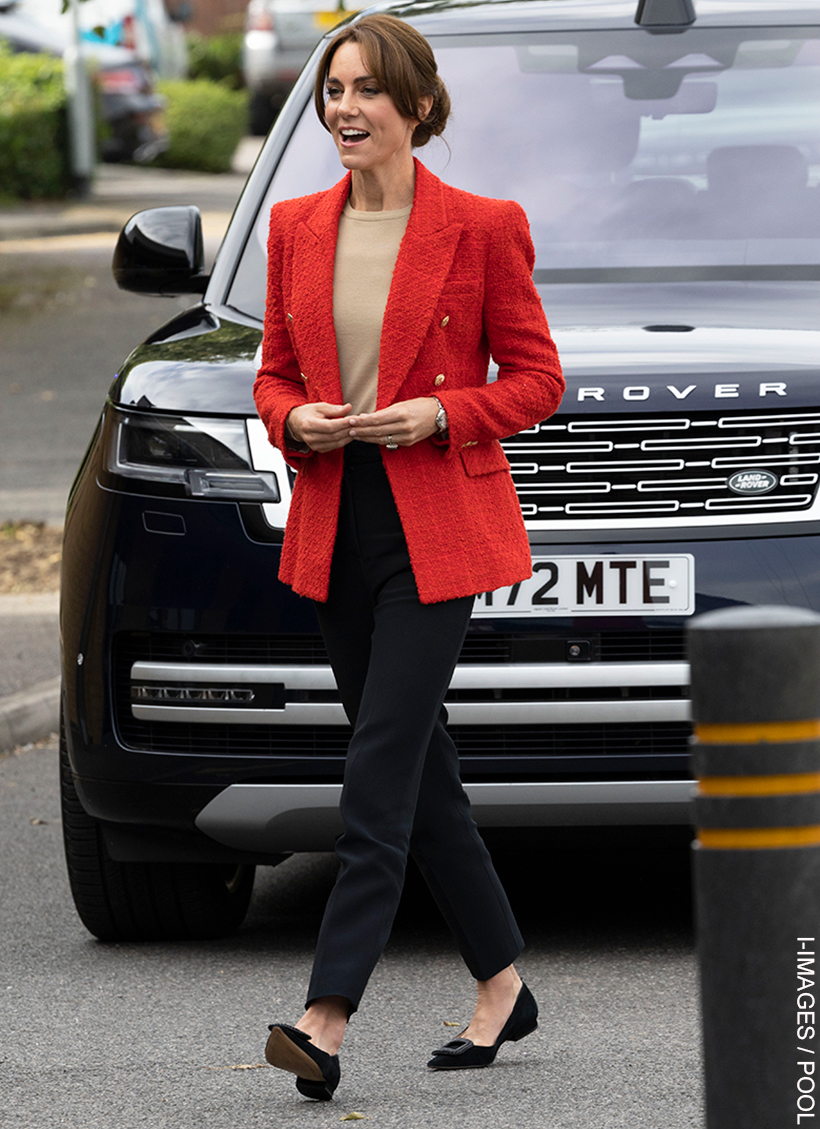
point(402, 62)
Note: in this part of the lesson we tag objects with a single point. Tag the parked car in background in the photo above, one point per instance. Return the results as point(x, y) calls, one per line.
point(146, 27)
point(671, 174)
point(279, 37)
point(132, 110)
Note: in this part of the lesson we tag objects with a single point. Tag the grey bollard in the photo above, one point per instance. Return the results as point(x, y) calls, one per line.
point(756, 753)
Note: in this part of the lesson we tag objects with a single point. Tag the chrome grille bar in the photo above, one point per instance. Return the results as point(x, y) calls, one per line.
point(643, 488)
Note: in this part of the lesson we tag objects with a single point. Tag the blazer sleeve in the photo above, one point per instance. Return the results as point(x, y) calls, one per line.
point(279, 386)
point(530, 382)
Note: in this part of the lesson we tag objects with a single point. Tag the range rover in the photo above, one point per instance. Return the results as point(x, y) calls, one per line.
point(668, 157)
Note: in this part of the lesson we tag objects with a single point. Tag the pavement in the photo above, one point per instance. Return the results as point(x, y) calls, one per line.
point(119, 191)
point(29, 702)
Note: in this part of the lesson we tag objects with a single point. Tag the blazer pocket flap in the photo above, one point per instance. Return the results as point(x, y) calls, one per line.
point(484, 458)
point(460, 286)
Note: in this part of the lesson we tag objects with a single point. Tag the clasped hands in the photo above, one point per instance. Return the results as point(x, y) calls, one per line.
point(326, 427)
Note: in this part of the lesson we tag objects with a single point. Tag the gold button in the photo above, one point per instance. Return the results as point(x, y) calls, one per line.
point(472, 443)
point(289, 317)
point(444, 321)
point(303, 376)
point(439, 380)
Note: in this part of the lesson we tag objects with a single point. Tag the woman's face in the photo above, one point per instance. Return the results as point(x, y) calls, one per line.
point(368, 129)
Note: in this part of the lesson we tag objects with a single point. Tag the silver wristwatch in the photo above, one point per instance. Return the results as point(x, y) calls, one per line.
point(441, 415)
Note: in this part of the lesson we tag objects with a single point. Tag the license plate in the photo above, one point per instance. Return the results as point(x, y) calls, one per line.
point(599, 586)
point(326, 21)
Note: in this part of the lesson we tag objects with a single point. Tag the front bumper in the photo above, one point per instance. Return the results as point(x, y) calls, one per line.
point(305, 817)
point(164, 635)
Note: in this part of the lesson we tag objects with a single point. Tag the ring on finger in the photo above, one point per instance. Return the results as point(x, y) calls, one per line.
point(391, 446)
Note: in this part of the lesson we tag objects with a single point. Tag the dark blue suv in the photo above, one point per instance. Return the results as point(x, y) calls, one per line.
point(668, 157)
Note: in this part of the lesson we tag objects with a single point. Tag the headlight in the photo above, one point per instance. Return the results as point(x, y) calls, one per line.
point(185, 455)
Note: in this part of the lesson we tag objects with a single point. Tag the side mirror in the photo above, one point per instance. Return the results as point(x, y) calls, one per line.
point(160, 251)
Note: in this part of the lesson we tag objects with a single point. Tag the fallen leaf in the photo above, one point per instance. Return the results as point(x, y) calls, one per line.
point(354, 1117)
point(451, 1023)
point(39, 822)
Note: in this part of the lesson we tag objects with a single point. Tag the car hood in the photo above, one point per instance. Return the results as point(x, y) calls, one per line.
point(197, 362)
point(694, 347)
point(623, 349)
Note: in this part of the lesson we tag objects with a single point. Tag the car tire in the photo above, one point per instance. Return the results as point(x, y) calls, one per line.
point(135, 901)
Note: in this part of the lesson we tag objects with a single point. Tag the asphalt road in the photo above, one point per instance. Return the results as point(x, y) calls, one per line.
point(124, 1036)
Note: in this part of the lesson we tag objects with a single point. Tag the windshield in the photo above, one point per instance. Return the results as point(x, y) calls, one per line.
point(635, 155)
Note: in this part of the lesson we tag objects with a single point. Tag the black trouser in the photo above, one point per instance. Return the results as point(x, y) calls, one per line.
point(393, 658)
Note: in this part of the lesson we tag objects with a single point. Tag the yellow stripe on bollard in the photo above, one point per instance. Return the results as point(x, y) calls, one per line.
point(751, 733)
point(781, 785)
point(758, 838)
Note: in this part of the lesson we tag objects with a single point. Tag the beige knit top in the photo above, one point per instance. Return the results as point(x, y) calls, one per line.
point(366, 252)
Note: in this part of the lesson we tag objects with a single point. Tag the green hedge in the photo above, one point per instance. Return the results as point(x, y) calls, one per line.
point(206, 121)
point(216, 57)
point(33, 132)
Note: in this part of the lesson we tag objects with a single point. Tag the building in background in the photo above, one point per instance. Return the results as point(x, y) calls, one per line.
point(213, 17)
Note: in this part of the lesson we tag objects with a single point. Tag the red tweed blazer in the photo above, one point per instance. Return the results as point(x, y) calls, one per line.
point(461, 290)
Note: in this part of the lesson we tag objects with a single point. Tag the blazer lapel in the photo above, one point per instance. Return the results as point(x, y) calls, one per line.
point(423, 264)
point(314, 252)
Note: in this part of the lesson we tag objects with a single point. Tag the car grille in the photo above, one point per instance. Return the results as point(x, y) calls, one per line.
point(598, 750)
point(658, 645)
point(630, 745)
point(665, 467)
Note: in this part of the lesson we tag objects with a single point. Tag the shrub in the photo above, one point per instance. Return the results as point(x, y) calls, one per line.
point(33, 132)
point(216, 57)
point(206, 122)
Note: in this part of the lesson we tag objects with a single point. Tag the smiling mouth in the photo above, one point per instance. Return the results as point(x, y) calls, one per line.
point(353, 136)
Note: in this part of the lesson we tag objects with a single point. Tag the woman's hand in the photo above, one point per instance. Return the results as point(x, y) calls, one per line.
point(321, 427)
point(404, 423)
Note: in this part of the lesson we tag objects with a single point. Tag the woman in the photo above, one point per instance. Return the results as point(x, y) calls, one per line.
point(386, 295)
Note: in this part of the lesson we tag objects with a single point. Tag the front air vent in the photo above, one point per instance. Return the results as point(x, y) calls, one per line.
point(687, 469)
point(482, 646)
point(606, 751)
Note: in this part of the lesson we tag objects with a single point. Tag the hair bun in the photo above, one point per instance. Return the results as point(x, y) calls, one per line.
point(436, 121)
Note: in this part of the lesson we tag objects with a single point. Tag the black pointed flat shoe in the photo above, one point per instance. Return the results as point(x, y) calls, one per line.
point(317, 1072)
point(463, 1054)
